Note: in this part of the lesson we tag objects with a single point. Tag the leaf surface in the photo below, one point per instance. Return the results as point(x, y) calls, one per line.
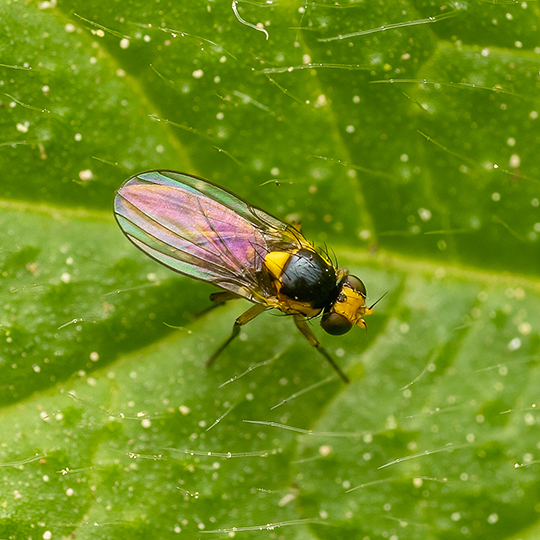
point(405, 138)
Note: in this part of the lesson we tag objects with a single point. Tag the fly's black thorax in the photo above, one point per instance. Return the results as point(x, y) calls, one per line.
point(302, 279)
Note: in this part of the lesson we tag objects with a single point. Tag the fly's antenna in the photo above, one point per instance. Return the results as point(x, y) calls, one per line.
point(377, 301)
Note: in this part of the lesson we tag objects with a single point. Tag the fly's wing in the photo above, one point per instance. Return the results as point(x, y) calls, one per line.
point(201, 230)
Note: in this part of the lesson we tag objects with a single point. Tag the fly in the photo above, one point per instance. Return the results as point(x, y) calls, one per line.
point(206, 232)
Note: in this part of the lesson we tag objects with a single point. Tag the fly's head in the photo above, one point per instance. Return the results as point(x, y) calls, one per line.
point(349, 308)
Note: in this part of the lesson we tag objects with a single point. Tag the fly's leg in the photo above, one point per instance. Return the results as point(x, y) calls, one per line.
point(247, 316)
point(303, 326)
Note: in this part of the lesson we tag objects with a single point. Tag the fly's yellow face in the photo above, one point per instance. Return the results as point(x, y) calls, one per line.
point(349, 308)
point(351, 304)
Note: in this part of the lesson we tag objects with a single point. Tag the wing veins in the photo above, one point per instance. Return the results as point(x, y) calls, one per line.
point(221, 270)
point(235, 259)
point(154, 220)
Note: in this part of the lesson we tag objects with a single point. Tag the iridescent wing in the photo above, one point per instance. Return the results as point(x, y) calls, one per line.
point(201, 230)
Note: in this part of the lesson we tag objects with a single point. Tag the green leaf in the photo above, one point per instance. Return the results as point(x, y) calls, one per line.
point(405, 137)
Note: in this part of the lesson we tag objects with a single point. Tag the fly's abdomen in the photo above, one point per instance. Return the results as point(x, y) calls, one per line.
point(303, 279)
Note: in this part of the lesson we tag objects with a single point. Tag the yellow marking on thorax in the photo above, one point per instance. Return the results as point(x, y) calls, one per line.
point(275, 262)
